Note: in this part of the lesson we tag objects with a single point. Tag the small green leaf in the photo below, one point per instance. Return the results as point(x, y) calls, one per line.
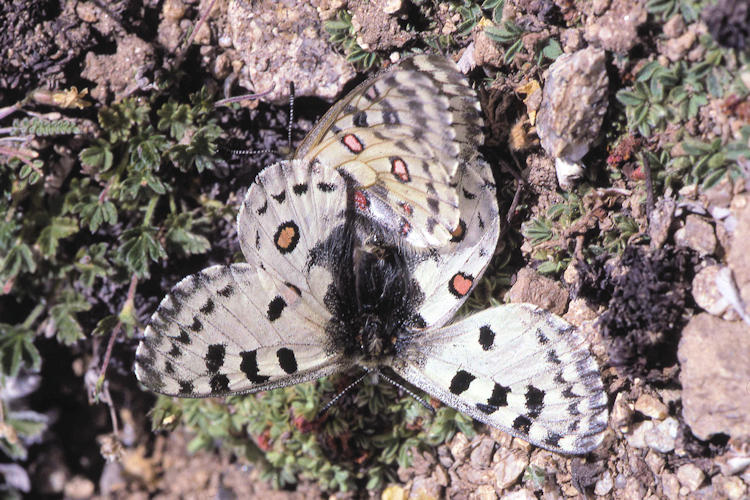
point(91, 263)
point(63, 313)
point(18, 260)
point(629, 98)
point(17, 349)
point(180, 234)
point(139, 246)
point(50, 236)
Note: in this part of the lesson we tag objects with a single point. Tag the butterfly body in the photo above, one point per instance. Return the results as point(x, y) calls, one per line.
point(340, 273)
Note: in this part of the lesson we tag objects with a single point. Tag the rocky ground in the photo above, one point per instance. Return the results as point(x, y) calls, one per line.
point(632, 223)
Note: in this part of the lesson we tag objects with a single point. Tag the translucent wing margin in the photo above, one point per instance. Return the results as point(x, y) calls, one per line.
point(401, 137)
point(518, 368)
point(232, 329)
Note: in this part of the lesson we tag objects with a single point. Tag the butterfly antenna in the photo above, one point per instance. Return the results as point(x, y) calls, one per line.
point(341, 393)
point(408, 391)
point(291, 115)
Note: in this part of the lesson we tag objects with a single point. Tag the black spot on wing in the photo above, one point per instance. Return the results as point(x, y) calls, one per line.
point(215, 357)
point(486, 337)
point(461, 381)
point(522, 424)
point(219, 383)
point(552, 440)
point(573, 409)
point(434, 205)
point(279, 197)
point(208, 307)
point(326, 187)
point(249, 366)
point(275, 307)
point(534, 401)
point(569, 394)
point(552, 357)
point(468, 195)
point(197, 326)
point(299, 189)
point(168, 368)
point(184, 337)
point(390, 117)
point(541, 337)
point(186, 387)
point(487, 409)
point(287, 361)
point(226, 292)
point(499, 396)
point(175, 351)
point(360, 119)
point(263, 209)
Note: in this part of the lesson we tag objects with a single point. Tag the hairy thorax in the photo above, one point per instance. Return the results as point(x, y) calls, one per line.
point(373, 299)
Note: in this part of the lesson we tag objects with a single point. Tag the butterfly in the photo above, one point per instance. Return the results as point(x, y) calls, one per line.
point(330, 285)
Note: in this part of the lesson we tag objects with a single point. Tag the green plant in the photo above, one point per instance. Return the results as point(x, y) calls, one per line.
point(341, 32)
point(508, 34)
point(689, 9)
point(355, 444)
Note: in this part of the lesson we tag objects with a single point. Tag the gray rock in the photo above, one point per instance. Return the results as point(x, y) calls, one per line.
point(279, 44)
point(663, 436)
point(738, 258)
point(459, 447)
point(534, 288)
point(519, 495)
point(637, 439)
point(604, 484)
point(690, 476)
point(481, 455)
point(731, 487)
point(670, 486)
point(697, 234)
point(509, 468)
point(705, 292)
point(660, 222)
point(573, 105)
point(713, 356)
point(651, 407)
point(617, 29)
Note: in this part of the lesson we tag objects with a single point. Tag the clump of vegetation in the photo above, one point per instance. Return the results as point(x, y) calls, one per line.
point(646, 294)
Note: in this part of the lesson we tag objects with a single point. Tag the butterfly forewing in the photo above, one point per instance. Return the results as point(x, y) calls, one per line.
point(518, 368)
point(401, 137)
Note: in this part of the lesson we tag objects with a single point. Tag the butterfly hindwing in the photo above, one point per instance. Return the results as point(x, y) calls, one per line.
point(232, 329)
point(449, 275)
point(518, 368)
point(400, 137)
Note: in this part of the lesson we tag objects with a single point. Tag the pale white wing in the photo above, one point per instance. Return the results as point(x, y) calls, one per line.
point(451, 272)
point(290, 208)
point(233, 329)
point(400, 138)
point(515, 367)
